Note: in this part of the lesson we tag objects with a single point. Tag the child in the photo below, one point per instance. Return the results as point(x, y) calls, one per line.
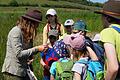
point(82, 54)
point(68, 27)
point(49, 55)
point(63, 52)
point(52, 24)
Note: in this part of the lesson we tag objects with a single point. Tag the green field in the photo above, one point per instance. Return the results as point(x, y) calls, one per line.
point(9, 16)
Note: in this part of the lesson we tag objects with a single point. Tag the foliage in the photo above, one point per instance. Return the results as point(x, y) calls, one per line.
point(13, 3)
point(10, 15)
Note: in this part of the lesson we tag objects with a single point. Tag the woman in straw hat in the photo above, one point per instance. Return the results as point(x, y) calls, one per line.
point(19, 46)
point(110, 37)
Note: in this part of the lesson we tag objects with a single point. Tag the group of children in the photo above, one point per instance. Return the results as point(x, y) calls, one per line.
point(68, 54)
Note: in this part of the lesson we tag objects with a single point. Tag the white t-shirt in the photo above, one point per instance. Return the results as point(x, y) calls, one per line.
point(80, 68)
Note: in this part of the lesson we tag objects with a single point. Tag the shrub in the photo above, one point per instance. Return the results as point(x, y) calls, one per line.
point(13, 3)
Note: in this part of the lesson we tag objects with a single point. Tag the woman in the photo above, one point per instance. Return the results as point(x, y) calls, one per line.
point(19, 45)
point(52, 24)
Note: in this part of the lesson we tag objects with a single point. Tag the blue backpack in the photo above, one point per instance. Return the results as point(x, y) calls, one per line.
point(97, 48)
point(95, 70)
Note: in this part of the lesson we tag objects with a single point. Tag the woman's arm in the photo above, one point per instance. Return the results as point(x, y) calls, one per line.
point(112, 63)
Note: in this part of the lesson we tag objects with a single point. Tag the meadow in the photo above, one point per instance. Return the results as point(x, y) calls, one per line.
point(9, 16)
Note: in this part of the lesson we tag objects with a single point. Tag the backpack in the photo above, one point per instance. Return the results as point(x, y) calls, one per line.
point(50, 57)
point(63, 70)
point(56, 28)
point(97, 48)
point(95, 71)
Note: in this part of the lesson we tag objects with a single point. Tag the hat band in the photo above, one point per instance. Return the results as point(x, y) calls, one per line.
point(111, 13)
point(34, 17)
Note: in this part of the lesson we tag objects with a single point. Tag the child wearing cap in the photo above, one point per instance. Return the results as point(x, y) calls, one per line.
point(49, 55)
point(68, 27)
point(61, 49)
point(80, 26)
point(83, 53)
point(52, 24)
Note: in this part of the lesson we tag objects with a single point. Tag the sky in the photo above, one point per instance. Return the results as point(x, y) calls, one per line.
point(101, 1)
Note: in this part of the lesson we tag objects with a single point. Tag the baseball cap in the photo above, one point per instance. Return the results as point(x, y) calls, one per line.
point(69, 22)
point(51, 12)
point(96, 37)
point(53, 33)
point(80, 25)
point(76, 41)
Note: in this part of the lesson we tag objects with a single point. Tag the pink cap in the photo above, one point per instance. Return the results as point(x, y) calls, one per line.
point(76, 41)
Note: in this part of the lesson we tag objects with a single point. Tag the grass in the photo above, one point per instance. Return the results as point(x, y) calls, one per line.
point(9, 16)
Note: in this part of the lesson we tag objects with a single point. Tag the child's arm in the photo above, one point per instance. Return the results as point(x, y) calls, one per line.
point(52, 77)
point(76, 76)
point(91, 53)
point(42, 62)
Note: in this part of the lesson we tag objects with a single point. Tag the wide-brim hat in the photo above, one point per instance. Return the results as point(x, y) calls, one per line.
point(111, 8)
point(34, 15)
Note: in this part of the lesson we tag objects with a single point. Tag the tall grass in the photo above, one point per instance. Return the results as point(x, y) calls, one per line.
point(9, 17)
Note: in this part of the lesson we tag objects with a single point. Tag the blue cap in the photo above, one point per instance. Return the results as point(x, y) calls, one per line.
point(80, 25)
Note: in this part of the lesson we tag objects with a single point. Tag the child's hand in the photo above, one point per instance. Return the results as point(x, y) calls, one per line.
point(46, 67)
point(30, 61)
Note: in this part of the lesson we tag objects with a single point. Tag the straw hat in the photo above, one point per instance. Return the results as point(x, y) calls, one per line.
point(111, 8)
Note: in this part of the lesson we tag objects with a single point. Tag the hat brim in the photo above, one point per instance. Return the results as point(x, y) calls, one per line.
point(75, 30)
point(66, 39)
point(106, 13)
point(30, 18)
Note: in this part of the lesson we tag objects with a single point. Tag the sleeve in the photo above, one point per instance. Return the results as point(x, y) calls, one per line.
point(77, 67)
point(62, 30)
point(107, 35)
point(53, 69)
point(45, 38)
point(17, 46)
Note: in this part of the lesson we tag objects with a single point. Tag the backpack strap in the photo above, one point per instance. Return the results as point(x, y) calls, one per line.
point(116, 28)
point(58, 28)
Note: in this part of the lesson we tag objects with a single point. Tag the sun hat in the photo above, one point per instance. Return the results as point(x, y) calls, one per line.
point(96, 37)
point(80, 25)
point(53, 33)
point(51, 12)
point(111, 8)
point(34, 15)
point(60, 47)
point(76, 41)
point(69, 22)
